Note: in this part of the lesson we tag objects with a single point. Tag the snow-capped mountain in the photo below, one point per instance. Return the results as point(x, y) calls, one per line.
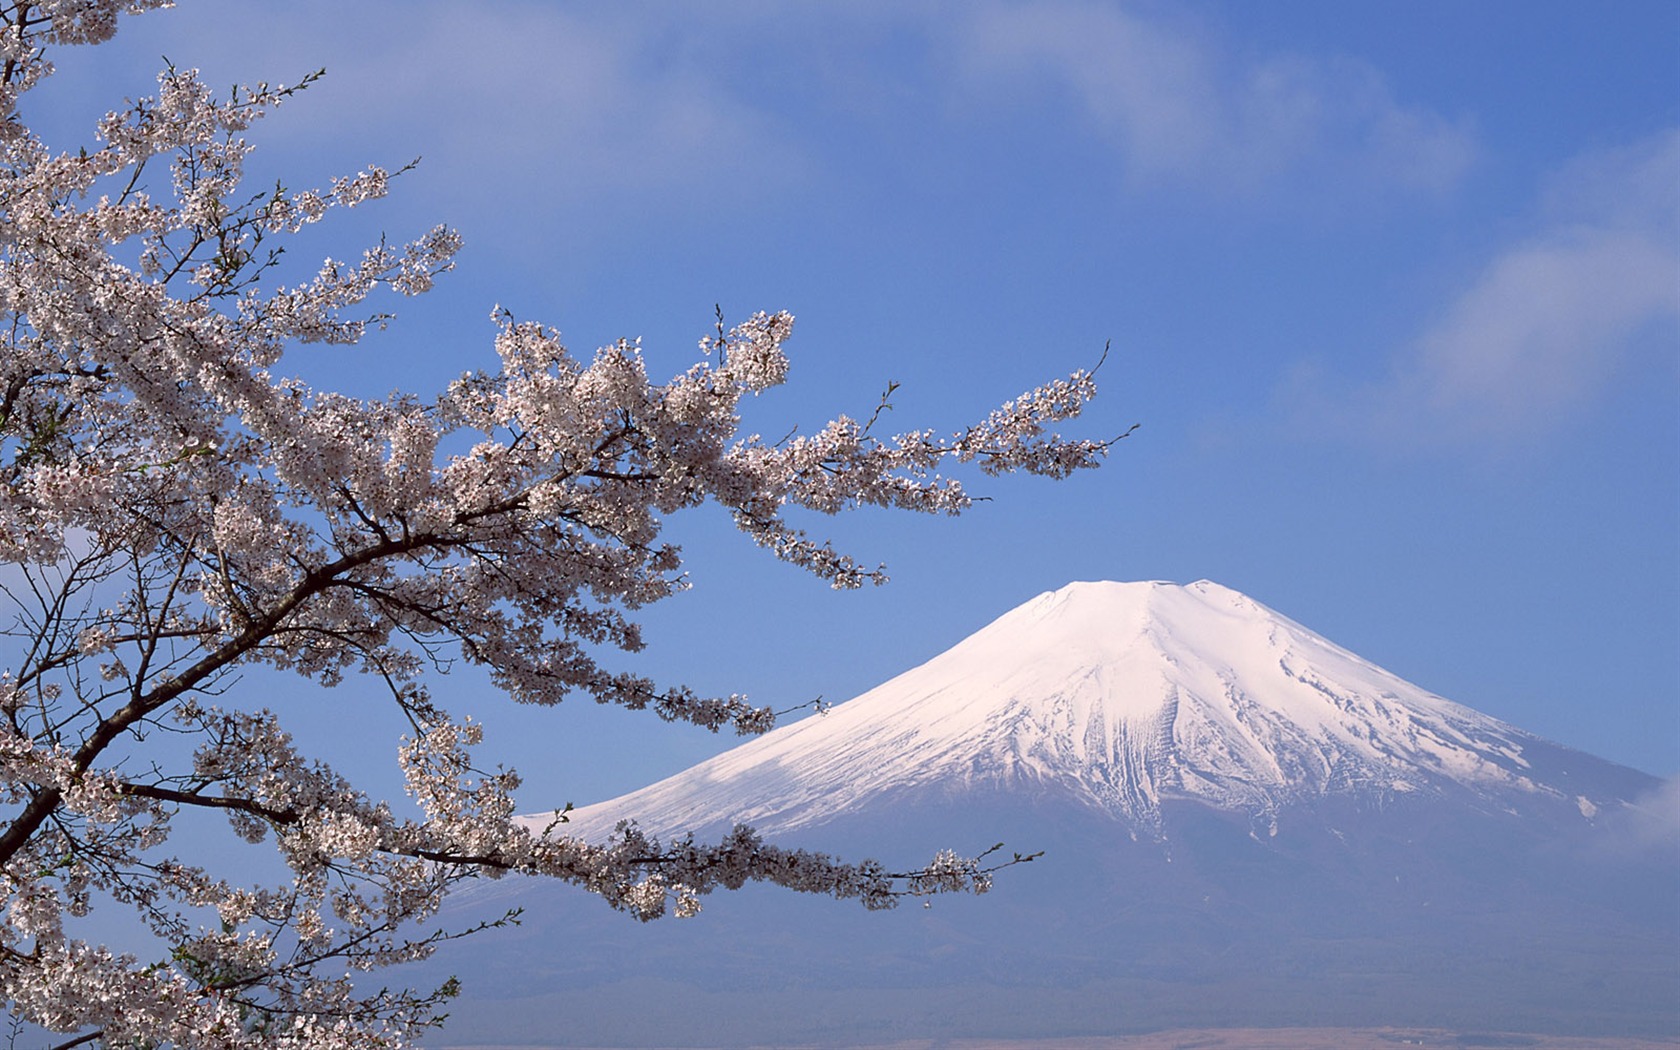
point(1125, 696)
point(1243, 825)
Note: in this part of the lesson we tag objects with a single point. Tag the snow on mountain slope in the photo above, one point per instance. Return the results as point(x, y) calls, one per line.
point(1122, 696)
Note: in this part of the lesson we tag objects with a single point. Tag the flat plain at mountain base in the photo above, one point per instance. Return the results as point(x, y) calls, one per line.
point(1244, 1039)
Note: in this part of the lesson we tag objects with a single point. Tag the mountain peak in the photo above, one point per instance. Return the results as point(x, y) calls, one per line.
point(1122, 696)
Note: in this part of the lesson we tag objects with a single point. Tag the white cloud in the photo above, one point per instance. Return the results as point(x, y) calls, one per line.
point(628, 107)
point(572, 108)
point(573, 104)
point(1649, 823)
point(1549, 319)
point(1177, 109)
point(1544, 325)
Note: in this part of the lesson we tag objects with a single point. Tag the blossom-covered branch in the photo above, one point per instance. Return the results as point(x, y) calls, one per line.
point(177, 507)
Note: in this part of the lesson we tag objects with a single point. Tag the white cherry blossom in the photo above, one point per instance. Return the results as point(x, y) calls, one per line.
point(176, 506)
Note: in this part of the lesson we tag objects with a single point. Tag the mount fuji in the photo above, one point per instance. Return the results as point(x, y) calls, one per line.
point(1122, 698)
point(1243, 824)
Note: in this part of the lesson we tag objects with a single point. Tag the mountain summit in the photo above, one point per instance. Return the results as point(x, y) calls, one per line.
point(1124, 697)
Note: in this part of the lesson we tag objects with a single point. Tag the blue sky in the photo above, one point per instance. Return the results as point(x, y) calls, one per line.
point(1392, 289)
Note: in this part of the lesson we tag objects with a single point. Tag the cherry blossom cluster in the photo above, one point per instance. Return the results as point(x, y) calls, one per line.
point(177, 507)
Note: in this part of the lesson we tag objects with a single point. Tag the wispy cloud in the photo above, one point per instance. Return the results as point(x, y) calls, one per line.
point(598, 105)
point(573, 104)
point(1544, 323)
point(570, 109)
point(1649, 824)
point(1177, 108)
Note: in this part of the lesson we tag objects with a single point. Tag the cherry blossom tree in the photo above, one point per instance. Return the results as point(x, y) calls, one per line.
point(175, 507)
